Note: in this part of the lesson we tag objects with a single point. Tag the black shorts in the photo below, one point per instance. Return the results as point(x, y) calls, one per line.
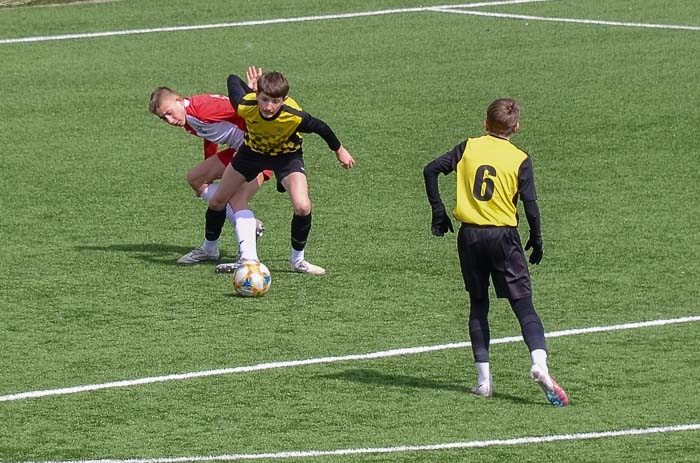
point(495, 252)
point(250, 164)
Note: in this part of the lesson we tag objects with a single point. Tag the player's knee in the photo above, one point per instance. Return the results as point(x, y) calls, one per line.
point(217, 204)
point(194, 182)
point(302, 208)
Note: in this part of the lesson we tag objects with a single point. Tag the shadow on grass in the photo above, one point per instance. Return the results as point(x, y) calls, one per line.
point(163, 254)
point(382, 379)
point(166, 254)
point(378, 378)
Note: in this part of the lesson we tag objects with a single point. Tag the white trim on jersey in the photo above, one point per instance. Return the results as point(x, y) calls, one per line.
point(221, 132)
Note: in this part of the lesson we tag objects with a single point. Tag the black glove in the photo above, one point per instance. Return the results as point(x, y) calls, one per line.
point(441, 223)
point(535, 242)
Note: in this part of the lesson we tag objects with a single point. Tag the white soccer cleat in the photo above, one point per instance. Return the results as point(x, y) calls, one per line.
point(484, 389)
point(555, 394)
point(303, 266)
point(196, 256)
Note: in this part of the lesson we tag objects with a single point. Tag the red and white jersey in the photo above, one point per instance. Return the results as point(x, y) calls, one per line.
point(213, 118)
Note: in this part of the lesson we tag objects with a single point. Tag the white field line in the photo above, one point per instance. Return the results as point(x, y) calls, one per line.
point(565, 20)
point(324, 360)
point(54, 5)
point(404, 448)
point(438, 8)
point(46, 38)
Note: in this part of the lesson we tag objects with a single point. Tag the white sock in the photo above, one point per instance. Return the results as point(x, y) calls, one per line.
point(230, 215)
point(211, 247)
point(539, 358)
point(483, 372)
point(297, 256)
point(245, 224)
point(209, 191)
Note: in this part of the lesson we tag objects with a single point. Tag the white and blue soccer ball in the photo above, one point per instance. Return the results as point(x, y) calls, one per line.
point(252, 279)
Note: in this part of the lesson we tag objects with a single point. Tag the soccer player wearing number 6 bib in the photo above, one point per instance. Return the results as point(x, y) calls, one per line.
point(492, 174)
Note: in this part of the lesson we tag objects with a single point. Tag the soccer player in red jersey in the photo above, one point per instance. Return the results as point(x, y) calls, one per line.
point(212, 118)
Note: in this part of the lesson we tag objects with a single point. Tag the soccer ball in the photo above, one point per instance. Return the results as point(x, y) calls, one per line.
point(251, 279)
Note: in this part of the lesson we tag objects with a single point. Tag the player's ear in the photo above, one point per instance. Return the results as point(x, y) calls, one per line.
point(517, 127)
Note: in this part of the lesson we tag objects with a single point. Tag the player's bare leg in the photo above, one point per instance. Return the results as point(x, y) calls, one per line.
point(298, 189)
point(231, 181)
point(204, 173)
point(200, 178)
point(248, 227)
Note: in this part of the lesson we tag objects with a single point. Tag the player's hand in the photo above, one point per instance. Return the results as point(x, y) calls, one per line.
point(535, 242)
point(252, 74)
point(345, 158)
point(441, 223)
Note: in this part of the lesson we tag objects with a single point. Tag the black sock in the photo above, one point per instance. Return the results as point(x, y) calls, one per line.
point(301, 226)
point(214, 223)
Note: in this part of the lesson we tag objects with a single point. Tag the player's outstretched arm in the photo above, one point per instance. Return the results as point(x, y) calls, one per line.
point(310, 124)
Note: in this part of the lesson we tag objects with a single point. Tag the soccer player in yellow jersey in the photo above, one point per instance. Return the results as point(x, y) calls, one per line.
point(492, 174)
point(273, 142)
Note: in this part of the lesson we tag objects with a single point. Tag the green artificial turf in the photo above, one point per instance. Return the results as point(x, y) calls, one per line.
point(96, 209)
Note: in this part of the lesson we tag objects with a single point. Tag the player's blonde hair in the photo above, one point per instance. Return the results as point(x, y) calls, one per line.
point(502, 116)
point(273, 84)
point(157, 97)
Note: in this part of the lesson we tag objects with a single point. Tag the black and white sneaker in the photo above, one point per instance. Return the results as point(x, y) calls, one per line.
point(228, 267)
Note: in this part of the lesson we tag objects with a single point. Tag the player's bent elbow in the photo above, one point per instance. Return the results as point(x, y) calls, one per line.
point(428, 171)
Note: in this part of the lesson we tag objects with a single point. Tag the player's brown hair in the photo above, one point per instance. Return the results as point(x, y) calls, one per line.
point(273, 84)
point(502, 116)
point(157, 97)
